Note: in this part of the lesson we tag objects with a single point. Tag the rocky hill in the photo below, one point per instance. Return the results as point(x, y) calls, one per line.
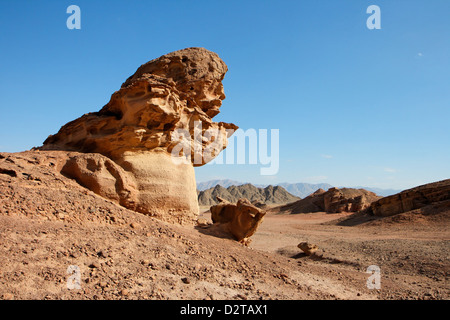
point(267, 195)
point(412, 199)
point(332, 201)
point(300, 189)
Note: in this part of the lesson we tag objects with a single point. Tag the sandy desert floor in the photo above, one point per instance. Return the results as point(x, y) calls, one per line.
point(411, 251)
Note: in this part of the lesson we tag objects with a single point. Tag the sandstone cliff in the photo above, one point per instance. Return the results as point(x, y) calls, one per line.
point(412, 199)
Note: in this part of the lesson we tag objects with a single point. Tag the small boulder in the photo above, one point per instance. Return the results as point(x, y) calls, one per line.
point(242, 219)
point(308, 248)
point(203, 223)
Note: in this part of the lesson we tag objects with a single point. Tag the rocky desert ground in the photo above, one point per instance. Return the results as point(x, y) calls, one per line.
point(410, 250)
point(49, 223)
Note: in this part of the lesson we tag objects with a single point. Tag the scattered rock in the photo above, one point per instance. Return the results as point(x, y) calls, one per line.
point(308, 248)
point(202, 223)
point(242, 219)
point(186, 280)
point(101, 254)
point(8, 296)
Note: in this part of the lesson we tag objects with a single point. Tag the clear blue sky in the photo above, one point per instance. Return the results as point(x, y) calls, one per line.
point(354, 106)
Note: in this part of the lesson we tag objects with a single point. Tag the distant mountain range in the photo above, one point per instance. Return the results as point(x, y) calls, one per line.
point(267, 195)
point(381, 192)
point(301, 190)
point(202, 186)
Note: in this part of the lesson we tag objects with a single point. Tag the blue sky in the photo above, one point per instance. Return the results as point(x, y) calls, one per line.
point(353, 106)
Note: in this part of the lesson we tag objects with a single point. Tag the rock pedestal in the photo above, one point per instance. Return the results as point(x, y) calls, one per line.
point(152, 133)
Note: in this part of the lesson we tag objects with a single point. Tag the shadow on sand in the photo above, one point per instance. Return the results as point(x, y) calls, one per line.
point(217, 230)
point(355, 219)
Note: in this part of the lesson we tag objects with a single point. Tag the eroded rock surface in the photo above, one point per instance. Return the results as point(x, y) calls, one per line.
point(334, 200)
point(163, 111)
point(267, 195)
point(412, 199)
point(347, 200)
point(241, 219)
point(103, 176)
point(308, 248)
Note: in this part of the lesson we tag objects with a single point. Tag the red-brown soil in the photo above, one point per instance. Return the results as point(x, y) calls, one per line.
point(48, 223)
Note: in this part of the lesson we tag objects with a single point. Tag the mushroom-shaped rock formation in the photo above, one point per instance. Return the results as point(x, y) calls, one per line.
point(156, 128)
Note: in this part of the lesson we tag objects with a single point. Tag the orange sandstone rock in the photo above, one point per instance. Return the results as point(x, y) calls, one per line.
point(412, 199)
point(241, 219)
point(152, 133)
